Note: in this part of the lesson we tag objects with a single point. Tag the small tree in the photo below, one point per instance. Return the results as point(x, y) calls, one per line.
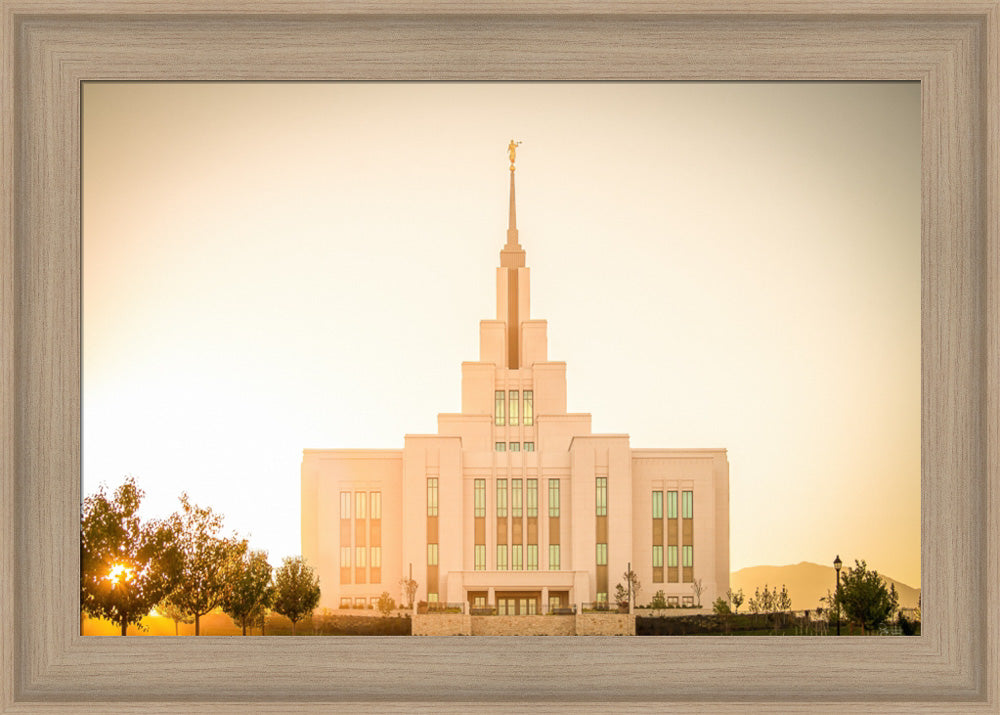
point(621, 597)
point(721, 606)
point(126, 566)
point(631, 579)
point(249, 591)
point(697, 588)
point(865, 598)
point(297, 590)
point(168, 609)
point(386, 603)
point(659, 600)
point(409, 586)
point(208, 560)
point(782, 600)
point(736, 599)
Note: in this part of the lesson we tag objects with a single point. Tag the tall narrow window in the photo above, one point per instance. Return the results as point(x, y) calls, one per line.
point(480, 491)
point(553, 497)
point(602, 496)
point(376, 505)
point(376, 557)
point(657, 505)
point(502, 497)
point(516, 562)
point(532, 557)
point(345, 556)
point(432, 496)
point(498, 407)
point(345, 505)
point(671, 505)
point(359, 505)
point(515, 498)
point(512, 412)
point(657, 557)
point(359, 557)
point(553, 557)
point(529, 408)
point(602, 554)
point(432, 554)
point(480, 557)
point(501, 557)
point(687, 505)
point(688, 554)
point(672, 556)
point(532, 497)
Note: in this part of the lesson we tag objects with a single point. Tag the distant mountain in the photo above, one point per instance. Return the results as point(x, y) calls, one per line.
point(807, 583)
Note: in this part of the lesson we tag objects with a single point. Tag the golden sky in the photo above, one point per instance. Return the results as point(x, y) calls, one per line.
point(269, 267)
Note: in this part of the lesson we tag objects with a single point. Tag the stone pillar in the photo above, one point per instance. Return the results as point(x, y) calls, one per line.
point(491, 597)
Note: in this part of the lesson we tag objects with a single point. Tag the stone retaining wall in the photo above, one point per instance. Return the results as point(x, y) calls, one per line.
point(605, 624)
point(523, 625)
point(442, 624)
point(582, 624)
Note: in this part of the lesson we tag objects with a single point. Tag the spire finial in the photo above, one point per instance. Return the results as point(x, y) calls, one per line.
point(512, 152)
point(512, 217)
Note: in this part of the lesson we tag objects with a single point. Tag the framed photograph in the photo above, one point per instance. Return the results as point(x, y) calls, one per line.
point(53, 53)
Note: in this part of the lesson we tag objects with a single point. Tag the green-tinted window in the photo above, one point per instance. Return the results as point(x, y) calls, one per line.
point(529, 446)
point(500, 446)
point(432, 554)
point(498, 407)
point(501, 497)
point(432, 496)
point(515, 497)
point(553, 557)
point(687, 504)
point(512, 412)
point(671, 556)
point(516, 554)
point(480, 557)
point(532, 495)
point(602, 496)
point(532, 557)
point(501, 557)
point(529, 408)
point(553, 497)
point(671, 505)
point(515, 446)
point(657, 557)
point(688, 556)
point(602, 554)
point(480, 491)
point(657, 505)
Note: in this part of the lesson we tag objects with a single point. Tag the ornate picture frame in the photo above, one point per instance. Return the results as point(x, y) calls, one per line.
point(49, 48)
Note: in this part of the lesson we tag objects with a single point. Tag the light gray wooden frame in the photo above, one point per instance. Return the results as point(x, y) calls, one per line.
point(49, 48)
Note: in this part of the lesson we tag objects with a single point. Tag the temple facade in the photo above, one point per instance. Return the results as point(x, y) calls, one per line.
point(515, 506)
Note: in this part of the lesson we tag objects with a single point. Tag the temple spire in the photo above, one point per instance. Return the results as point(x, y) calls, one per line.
point(512, 255)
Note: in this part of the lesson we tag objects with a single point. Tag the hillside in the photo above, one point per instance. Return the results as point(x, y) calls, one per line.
point(807, 583)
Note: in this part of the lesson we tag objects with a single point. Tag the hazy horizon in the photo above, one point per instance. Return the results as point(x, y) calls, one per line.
point(273, 267)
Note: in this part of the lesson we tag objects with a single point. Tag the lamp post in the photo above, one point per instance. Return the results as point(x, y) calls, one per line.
point(837, 563)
